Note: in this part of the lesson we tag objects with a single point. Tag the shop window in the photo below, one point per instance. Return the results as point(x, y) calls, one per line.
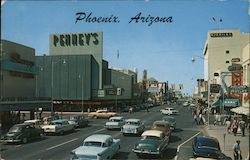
point(227, 61)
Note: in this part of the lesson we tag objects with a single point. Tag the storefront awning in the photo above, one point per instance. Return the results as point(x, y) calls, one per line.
point(228, 103)
point(241, 110)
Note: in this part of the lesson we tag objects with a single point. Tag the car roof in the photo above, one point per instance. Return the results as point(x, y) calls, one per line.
point(58, 121)
point(98, 138)
point(133, 120)
point(160, 122)
point(117, 117)
point(206, 138)
point(155, 133)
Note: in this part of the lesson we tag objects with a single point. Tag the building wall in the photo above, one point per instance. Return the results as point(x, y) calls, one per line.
point(87, 43)
point(74, 76)
point(220, 48)
point(17, 70)
point(246, 73)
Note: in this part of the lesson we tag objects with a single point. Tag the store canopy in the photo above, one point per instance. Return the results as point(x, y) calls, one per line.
point(241, 110)
point(228, 103)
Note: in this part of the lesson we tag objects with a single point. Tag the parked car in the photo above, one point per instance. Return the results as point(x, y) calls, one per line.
point(115, 122)
point(35, 122)
point(58, 127)
point(171, 121)
point(78, 121)
point(97, 146)
point(206, 147)
point(185, 104)
point(21, 133)
point(48, 119)
point(102, 114)
point(162, 126)
point(169, 111)
point(153, 142)
point(132, 126)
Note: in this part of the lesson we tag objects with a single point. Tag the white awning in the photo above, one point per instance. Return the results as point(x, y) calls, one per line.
point(241, 110)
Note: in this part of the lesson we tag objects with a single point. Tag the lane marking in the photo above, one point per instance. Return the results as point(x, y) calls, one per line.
point(179, 146)
point(61, 144)
point(99, 130)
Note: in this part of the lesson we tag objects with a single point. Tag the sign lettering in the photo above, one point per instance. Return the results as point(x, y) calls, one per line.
point(216, 35)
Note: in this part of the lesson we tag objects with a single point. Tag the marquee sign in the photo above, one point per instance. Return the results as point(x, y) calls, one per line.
point(217, 35)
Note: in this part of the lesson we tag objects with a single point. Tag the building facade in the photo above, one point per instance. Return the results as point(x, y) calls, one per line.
point(246, 75)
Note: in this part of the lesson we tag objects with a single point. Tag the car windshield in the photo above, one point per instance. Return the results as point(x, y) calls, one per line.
point(15, 129)
point(160, 125)
point(55, 123)
point(133, 123)
point(115, 120)
point(151, 137)
point(207, 143)
point(93, 144)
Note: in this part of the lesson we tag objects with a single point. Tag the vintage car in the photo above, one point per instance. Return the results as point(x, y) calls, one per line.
point(162, 126)
point(59, 126)
point(35, 122)
point(97, 146)
point(102, 114)
point(207, 147)
point(185, 104)
point(21, 133)
point(153, 142)
point(48, 119)
point(133, 126)
point(78, 121)
point(171, 121)
point(169, 111)
point(115, 122)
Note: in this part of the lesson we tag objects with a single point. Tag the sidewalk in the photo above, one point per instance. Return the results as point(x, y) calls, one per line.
point(227, 145)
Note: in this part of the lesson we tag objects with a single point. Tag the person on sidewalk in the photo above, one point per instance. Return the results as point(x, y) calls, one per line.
point(228, 125)
point(242, 125)
point(237, 151)
point(235, 127)
point(195, 119)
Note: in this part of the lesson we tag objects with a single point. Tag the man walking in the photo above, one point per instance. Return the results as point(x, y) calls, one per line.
point(242, 125)
point(237, 151)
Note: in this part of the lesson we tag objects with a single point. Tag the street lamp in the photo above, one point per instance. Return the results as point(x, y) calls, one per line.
point(82, 90)
point(208, 83)
point(52, 82)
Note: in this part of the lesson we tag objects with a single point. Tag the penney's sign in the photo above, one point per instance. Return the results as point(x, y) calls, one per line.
point(76, 39)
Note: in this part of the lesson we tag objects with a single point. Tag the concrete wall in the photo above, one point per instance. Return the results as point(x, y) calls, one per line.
point(15, 82)
point(74, 76)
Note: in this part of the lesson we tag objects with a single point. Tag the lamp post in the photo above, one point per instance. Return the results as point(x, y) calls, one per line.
point(81, 91)
point(52, 83)
point(208, 83)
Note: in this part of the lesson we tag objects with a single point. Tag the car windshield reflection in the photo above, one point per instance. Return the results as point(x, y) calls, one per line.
point(93, 144)
point(15, 129)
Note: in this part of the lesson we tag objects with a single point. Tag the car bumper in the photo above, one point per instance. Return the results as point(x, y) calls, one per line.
point(10, 140)
point(129, 132)
point(112, 127)
point(145, 152)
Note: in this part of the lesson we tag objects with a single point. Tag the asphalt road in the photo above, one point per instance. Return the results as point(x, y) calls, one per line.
point(59, 147)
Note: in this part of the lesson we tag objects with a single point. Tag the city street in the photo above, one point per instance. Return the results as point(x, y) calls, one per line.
point(59, 147)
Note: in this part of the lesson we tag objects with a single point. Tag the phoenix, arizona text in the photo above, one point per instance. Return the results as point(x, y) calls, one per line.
point(138, 18)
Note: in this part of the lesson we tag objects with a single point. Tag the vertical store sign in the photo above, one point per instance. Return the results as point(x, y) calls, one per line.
point(237, 77)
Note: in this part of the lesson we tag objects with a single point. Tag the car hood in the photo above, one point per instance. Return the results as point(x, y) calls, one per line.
point(88, 150)
point(207, 152)
point(130, 127)
point(147, 144)
point(12, 134)
point(112, 123)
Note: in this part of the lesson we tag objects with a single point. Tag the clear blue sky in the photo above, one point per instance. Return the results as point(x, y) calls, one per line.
point(164, 49)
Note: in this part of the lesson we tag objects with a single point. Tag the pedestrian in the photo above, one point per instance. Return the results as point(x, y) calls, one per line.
point(195, 119)
point(237, 151)
point(219, 119)
point(235, 127)
point(215, 118)
point(200, 119)
point(242, 125)
point(228, 125)
point(23, 116)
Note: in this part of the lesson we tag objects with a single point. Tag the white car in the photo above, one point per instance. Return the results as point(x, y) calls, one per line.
point(59, 126)
point(97, 146)
point(169, 111)
point(185, 104)
point(133, 126)
point(115, 122)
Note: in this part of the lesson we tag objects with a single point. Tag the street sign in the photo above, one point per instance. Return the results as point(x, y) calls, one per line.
point(234, 68)
point(238, 89)
point(215, 88)
point(235, 60)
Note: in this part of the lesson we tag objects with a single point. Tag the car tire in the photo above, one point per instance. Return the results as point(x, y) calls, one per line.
point(24, 140)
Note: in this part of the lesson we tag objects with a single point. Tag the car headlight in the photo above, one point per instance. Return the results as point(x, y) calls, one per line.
point(73, 155)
